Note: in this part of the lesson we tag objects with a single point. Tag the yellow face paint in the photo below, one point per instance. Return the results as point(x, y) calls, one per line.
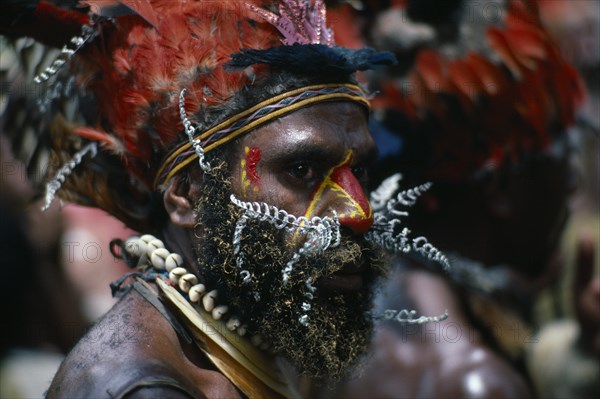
point(341, 188)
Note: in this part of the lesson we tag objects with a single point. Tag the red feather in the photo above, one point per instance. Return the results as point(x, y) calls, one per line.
point(492, 78)
point(499, 42)
point(430, 67)
point(466, 81)
point(109, 142)
point(144, 9)
point(481, 111)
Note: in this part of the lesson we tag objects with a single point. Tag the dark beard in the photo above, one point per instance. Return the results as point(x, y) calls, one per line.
point(340, 324)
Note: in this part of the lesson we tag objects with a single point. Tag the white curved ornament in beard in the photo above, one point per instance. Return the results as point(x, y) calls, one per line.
point(387, 231)
point(321, 233)
point(408, 317)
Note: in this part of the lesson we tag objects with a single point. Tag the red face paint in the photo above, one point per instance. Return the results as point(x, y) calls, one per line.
point(345, 195)
point(253, 156)
point(344, 177)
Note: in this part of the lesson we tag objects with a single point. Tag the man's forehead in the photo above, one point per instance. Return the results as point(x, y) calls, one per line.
point(317, 131)
point(332, 115)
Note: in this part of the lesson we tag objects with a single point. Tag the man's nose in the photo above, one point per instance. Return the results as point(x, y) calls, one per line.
point(341, 192)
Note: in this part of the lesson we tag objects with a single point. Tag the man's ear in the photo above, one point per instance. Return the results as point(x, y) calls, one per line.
point(179, 199)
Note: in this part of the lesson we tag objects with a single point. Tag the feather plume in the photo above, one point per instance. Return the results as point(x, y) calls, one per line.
point(144, 9)
point(313, 59)
point(488, 107)
point(145, 53)
point(108, 141)
point(432, 71)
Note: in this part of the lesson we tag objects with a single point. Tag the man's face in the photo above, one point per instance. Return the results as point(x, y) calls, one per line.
point(310, 163)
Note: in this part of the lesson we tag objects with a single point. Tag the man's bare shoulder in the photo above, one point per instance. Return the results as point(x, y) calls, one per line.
point(444, 359)
point(481, 373)
point(134, 352)
point(408, 369)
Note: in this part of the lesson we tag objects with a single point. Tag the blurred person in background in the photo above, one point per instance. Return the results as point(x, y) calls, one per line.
point(26, 113)
point(41, 316)
point(57, 271)
point(561, 352)
point(483, 104)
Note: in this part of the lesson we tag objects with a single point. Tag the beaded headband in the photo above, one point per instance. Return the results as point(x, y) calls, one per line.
point(253, 117)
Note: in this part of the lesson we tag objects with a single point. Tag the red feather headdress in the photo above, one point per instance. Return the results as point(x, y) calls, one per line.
point(136, 56)
point(141, 55)
point(137, 71)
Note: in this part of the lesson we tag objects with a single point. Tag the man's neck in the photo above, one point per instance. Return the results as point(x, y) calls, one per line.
point(177, 239)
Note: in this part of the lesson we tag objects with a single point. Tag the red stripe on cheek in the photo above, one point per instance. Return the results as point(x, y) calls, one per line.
point(252, 159)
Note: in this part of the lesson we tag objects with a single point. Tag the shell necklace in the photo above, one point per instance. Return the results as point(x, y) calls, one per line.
point(149, 250)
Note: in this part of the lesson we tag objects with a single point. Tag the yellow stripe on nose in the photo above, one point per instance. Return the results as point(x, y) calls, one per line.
point(342, 192)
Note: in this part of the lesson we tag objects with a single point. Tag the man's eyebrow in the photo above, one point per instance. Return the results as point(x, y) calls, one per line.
point(315, 151)
point(309, 151)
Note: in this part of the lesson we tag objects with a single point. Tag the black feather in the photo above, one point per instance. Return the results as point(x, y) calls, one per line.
point(313, 59)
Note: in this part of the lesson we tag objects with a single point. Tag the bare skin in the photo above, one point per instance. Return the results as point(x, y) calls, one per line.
point(446, 359)
point(134, 338)
point(298, 152)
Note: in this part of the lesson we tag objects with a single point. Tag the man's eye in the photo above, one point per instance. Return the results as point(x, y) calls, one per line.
point(302, 172)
